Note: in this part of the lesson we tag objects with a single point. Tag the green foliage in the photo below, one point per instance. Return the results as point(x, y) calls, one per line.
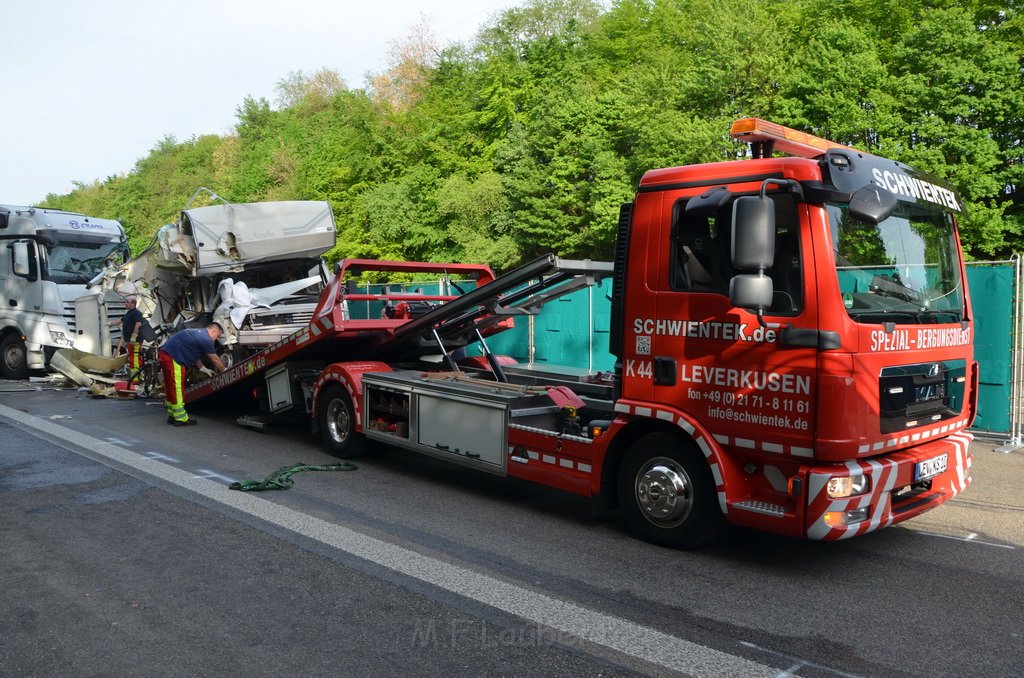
point(526, 140)
point(479, 219)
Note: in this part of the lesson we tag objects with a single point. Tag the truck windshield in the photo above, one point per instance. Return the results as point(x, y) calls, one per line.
point(903, 270)
point(78, 262)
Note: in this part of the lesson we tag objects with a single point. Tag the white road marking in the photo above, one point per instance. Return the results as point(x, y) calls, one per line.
point(569, 622)
point(212, 475)
point(164, 457)
point(970, 539)
point(798, 663)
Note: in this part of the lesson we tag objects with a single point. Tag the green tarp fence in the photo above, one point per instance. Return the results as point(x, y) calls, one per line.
point(571, 331)
point(995, 298)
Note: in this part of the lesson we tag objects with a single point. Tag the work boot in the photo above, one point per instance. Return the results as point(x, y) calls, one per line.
point(187, 422)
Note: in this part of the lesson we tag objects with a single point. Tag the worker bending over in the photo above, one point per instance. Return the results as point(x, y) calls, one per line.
point(187, 347)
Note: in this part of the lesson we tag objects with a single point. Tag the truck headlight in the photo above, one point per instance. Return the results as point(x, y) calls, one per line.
point(848, 486)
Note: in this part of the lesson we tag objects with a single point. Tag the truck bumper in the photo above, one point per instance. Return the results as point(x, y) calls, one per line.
point(902, 485)
point(36, 355)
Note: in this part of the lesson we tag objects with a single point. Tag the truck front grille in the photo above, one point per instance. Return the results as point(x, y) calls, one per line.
point(285, 317)
point(115, 311)
point(69, 317)
point(921, 394)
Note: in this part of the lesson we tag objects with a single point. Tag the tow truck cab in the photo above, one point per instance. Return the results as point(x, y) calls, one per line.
point(805, 320)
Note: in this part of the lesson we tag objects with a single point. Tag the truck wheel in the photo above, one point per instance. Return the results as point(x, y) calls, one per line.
point(13, 358)
point(152, 376)
point(232, 355)
point(667, 493)
point(337, 420)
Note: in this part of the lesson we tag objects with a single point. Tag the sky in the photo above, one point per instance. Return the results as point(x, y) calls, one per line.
point(91, 86)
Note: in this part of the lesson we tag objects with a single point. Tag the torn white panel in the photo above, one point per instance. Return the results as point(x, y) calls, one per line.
point(238, 299)
point(229, 237)
point(75, 364)
point(268, 296)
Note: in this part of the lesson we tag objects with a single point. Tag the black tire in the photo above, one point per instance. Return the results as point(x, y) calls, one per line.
point(13, 358)
point(667, 493)
point(151, 376)
point(337, 422)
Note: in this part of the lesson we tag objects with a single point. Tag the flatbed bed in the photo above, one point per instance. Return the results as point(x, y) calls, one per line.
point(455, 320)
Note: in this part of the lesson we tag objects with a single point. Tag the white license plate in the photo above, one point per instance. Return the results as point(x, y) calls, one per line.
point(930, 467)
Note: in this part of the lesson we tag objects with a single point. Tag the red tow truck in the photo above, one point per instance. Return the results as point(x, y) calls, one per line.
point(794, 354)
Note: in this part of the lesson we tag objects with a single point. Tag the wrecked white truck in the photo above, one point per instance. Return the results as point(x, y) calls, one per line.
point(255, 268)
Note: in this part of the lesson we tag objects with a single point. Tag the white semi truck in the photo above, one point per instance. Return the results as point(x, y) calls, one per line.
point(47, 260)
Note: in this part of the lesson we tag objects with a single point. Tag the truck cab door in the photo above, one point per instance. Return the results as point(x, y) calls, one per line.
point(20, 274)
point(750, 387)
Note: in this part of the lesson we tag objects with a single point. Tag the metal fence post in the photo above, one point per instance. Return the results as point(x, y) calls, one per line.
point(1018, 357)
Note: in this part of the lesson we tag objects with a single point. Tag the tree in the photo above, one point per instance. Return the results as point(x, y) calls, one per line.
point(479, 220)
point(409, 65)
point(298, 90)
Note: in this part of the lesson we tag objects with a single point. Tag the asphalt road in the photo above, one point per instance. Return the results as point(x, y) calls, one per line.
point(126, 554)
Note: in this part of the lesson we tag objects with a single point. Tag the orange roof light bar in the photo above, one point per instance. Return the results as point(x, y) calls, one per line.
point(786, 140)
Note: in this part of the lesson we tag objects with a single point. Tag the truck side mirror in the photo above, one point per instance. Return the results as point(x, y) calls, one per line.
point(753, 233)
point(753, 249)
point(872, 204)
point(4, 214)
point(22, 258)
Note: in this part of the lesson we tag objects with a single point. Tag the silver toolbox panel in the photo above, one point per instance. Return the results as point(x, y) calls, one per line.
point(473, 429)
point(283, 389)
point(464, 421)
point(279, 389)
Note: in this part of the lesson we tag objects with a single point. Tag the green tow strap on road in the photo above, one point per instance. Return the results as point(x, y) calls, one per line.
point(282, 478)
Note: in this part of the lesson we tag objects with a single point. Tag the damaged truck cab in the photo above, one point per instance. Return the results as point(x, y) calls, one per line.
point(255, 268)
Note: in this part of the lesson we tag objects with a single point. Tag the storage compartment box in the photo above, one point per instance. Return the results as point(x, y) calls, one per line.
point(285, 385)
